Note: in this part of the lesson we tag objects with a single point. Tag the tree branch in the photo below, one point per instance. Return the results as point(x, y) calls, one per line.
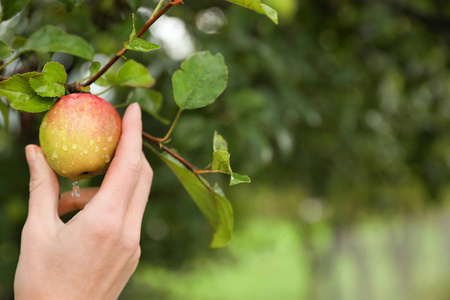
point(157, 142)
point(179, 158)
point(144, 28)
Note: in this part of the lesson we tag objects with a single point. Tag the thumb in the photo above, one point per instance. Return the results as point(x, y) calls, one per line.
point(44, 187)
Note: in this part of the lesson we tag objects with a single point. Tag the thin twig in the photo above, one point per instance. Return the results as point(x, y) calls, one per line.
point(188, 165)
point(144, 28)
point(210, 172)
point(157, 142)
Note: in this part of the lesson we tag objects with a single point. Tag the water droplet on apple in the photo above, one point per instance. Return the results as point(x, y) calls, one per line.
point(107, 158)
point(55, 155)
point(97, 148)
point(109, 139)
point(91, 142)
point(85, 151)
point(99, 138)
point(74, 146)
point(75, 189)
point(104, 148)
point(65, 148)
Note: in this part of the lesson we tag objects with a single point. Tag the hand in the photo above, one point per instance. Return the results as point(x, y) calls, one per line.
point(94, 254)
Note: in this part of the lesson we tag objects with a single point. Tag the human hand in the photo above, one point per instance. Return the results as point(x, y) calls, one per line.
point(93, 255)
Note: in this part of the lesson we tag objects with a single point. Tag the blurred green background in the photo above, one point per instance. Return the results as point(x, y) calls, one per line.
point(340, 115)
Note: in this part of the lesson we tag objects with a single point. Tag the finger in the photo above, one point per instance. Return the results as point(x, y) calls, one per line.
point(123, 173)
point(44, 187)
point(69, 203)
point(138, 202)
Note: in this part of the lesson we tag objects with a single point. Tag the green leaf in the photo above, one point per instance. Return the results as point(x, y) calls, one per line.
point(259, 7)
point(221, 156)
point(202, 78)
point(224, 231)
point(221, 161)
point(10, 8)
point(18, 42)
point(137, 44)
point(94, 68)
point(21, 96)
point(270, 12)
point(150, 101)
point(102, 81)
point(211, 201)
point(239, 178)
point(219, 143)
point(5, 113)
point(5, 50)
point(53, 39)
point(133, 74)
point(50, 82)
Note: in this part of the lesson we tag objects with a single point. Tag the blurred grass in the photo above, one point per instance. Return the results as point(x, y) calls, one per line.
point(277, 257)
point(264, 262)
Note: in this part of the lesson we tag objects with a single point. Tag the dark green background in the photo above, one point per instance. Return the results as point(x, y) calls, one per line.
point(341, 117)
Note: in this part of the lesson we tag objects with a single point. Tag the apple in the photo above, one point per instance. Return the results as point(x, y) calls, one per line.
point(79, 136)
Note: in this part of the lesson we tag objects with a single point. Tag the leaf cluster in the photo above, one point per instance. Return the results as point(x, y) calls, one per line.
point(201, 79)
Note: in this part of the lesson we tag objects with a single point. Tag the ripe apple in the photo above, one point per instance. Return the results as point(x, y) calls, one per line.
point(79, 135)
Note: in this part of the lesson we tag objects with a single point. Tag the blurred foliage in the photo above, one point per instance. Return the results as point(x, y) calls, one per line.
point(340, 115)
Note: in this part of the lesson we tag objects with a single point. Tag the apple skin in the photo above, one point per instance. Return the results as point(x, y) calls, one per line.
point(79, 136)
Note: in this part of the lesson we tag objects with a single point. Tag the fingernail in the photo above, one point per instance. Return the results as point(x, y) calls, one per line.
point(30, 153)
point(136, 109)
